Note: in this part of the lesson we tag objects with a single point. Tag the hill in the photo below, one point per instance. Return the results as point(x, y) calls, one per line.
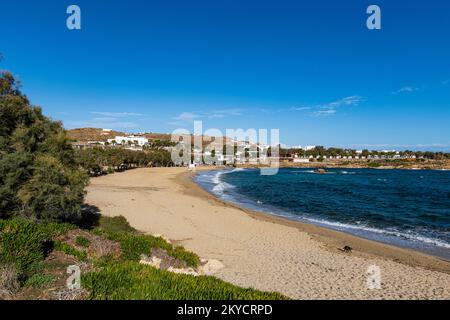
point(92, 134)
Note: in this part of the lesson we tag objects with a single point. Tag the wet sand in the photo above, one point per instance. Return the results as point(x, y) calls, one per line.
point(265, 252)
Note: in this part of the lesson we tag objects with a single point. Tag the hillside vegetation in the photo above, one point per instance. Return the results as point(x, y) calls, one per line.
point(99, 134)
point(34, 257)
point(39, 175)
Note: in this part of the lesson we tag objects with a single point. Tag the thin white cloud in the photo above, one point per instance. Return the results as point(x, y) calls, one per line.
point(223, 113)
point(110, 123)
point(347, 101)
point(112, 120)
point(406, 89)
point(213, 114)
point(330, 108)
point(186, 116)
point(300, 108)
point(116, 114)
point(325, 113)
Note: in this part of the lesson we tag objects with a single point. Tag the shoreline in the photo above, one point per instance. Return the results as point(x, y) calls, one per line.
point(261, 251)
point(333, 239)
point(306, 226)
point(358, 165)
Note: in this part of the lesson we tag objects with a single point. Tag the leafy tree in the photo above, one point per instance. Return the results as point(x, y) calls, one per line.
point(39, 177)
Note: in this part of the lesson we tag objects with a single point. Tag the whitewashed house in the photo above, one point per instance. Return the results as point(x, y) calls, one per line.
point(124, 140)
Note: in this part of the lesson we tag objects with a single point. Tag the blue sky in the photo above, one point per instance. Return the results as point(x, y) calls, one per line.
point(310, 68)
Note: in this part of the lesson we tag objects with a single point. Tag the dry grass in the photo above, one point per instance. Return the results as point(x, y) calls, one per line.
point(9, 283)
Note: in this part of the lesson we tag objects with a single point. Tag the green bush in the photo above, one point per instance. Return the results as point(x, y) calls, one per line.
point(22, 243)
point(82, 241)
point(39, 176)
point(53, 193)
point(133, 281)
point(39, 280)
point(115, 224)
point(374, 164)
point(55, 229)
point(67, 249)
point(133, 244)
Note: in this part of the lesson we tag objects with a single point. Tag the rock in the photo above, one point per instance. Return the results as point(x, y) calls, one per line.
point(211, 267)
point(161, 260)
point(189, 271)
point(151, 261)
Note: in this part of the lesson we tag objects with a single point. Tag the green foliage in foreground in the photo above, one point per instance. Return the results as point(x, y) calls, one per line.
point(115, 224)
point(39, 280)
point(133, 245)
point(133, 281)
point(23, 243)
point(82, 241)
point(67, 249)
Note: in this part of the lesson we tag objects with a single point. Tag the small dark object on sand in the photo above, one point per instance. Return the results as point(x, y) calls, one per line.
point(346, 249)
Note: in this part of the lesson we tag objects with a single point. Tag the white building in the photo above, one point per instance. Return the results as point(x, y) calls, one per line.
point(307, 148)
point(140, 141)
point(228, 159)
point(301, 160)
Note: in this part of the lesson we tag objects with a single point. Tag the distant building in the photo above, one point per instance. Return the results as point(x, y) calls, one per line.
point(140, 141)
point(301, 160)
point(98, 143)
point(307, 148)
point(228, 159)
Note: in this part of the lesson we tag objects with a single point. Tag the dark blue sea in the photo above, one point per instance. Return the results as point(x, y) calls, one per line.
point(407, 208)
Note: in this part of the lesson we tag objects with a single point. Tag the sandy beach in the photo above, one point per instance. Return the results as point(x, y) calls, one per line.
point(264, 252)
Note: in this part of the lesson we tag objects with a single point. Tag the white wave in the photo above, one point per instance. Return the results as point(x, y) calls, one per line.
point(410, 236)
point(216, 178)
point(221, 186)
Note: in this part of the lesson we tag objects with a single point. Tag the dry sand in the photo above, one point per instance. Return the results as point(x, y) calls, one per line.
point(261, 251)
